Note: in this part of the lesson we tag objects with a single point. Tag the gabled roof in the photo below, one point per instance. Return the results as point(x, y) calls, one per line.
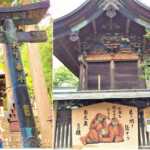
point(91, 9)
point(84, 15)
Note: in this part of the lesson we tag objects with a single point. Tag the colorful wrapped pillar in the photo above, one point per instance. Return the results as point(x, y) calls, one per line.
point(20, 93)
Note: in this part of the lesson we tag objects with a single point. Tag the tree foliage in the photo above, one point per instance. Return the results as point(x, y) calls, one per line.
point(146, 69)
point(1, 60)
point(64, 78)
point(146, 62)
point(147, 35)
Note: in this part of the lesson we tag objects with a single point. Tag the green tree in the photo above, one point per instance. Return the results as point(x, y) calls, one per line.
point(147, 35)
point(146, 62)
point(1, 60)
point(146, 69)
point(64, 78)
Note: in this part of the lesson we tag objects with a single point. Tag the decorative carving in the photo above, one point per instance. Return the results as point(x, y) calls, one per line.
point(74, 37)
point(112, 43)
point(111, 12)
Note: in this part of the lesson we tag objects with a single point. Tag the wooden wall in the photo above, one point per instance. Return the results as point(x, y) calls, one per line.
point(119, 75)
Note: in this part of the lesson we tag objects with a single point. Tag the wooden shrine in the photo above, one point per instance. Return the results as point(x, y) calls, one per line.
point(105, 46)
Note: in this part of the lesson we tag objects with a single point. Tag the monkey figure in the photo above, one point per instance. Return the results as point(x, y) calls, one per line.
point(116, 132)
point(97, 124)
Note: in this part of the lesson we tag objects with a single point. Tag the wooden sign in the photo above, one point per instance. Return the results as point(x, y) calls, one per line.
point(105, 126)
point(147, 119)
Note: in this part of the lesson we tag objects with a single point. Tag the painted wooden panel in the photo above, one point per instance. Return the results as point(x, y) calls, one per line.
point(85, 127)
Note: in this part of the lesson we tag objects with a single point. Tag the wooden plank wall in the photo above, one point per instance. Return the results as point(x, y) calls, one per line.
point(102, 69)
point(123, 75)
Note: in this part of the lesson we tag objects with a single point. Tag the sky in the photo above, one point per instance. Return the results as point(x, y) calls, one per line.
point(60, 8)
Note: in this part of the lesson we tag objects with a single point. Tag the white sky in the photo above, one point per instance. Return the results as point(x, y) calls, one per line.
point(62, 7)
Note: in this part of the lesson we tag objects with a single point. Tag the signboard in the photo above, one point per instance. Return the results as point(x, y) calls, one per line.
point(105, 126)
point(148, 125)
point(147, 118)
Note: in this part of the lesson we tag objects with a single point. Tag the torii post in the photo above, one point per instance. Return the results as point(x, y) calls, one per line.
point(11, 37)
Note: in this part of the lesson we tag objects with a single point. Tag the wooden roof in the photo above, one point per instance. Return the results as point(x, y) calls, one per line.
point(136, 98)
point(67, 51)
point(25, 14)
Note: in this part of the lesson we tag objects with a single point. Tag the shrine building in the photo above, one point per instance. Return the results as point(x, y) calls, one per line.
point(105, 44)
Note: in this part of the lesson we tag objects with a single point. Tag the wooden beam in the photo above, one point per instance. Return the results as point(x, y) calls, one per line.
point(83, 73)
point(94, 26)
point(79, 45)
point(128, 26)
point(32, 37)
point(102, 95)
point(41, 94)
point(109, 57)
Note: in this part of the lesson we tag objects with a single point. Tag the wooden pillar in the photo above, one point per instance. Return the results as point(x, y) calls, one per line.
point(81, 76)
point(83, 73)
point(41, 94)
point(11, 139)
point(86, 76)
point(112, 74)
point(94, 27)
point(128, 26)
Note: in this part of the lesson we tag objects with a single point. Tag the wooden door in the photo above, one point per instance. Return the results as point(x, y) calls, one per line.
point(101, 69)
